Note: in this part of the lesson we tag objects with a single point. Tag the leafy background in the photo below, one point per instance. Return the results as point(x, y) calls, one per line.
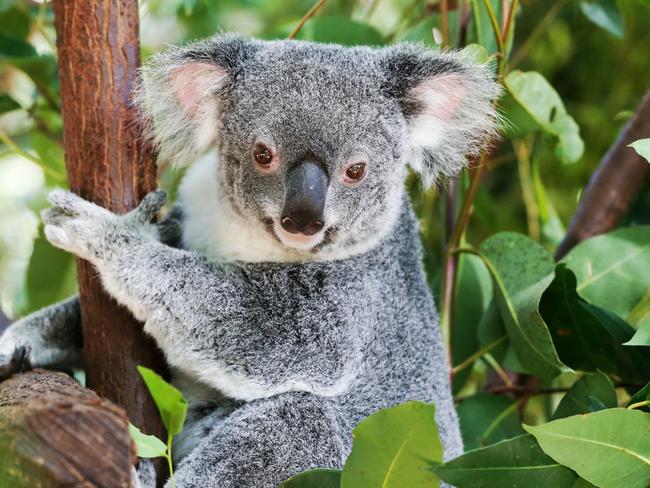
point(534, 342)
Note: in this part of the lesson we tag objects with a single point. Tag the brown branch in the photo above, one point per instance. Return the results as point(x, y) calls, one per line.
point(621, 175)
point(308, 15)
point(57, 433)
point(107, 163)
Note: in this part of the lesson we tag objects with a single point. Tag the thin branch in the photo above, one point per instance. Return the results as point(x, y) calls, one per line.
point(444, 22)
point(539, 29)
point(16, 149)
point(484, 350)
point(312, 11)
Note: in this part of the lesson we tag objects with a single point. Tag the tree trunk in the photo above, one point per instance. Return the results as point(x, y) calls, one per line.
point(613, 187)
point(108, 163)
point(56, 433)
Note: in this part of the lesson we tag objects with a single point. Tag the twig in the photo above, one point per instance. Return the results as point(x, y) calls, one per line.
point(16, 149)
point(522, 150)
point(444, 22)
point(312, 11)
point(484, 350)
point(539, 29)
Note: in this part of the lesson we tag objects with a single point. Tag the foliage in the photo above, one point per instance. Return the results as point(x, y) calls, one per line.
point(556, 347)
point(172, 407)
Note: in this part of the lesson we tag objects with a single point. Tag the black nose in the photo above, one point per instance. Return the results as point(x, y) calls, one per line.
point(304, 201)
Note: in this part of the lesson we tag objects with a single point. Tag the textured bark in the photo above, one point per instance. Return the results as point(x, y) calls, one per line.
point(108, 163)
point(621, 175)
point(56, 433)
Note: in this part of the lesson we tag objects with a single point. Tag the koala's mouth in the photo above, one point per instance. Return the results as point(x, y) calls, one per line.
point(299, 241)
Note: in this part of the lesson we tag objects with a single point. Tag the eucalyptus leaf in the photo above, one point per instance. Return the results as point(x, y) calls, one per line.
point(506, 464)
point(486, 419)
point(7, 104)
point(605, 14)
point(609, 448)
point(394, 448)
point(316, 478)
point(51, 275)
point(473, 294)
point(587, 337)
point(642, 147)
point(642, 395)
point(590, 393)
point(522, 270)
point(170, 402)
point(147, 446)
point(612, 269)
point(539, 100)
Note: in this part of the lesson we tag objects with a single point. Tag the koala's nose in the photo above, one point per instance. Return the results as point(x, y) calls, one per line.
point(304, 201)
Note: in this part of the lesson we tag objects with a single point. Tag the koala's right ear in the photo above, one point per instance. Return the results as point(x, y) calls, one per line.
point(181, 92)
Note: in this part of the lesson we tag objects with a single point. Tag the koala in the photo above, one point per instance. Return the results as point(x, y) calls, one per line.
point(292, 303)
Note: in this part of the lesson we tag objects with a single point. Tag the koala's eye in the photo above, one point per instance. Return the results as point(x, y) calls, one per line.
point(262, 154)
point(355, 172)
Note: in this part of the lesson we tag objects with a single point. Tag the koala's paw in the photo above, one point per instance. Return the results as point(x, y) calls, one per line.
point(92, 232)
point(75, 225)
point(15, 362)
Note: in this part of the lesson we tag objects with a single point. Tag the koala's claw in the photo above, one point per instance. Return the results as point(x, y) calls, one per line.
point(150, 205)
point(18, 362)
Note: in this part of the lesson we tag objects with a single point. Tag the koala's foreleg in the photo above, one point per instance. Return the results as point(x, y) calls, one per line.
point(49, 338)
point(267, 441)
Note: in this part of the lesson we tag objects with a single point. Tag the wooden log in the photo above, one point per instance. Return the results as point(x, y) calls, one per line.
point(108, 163)
point(56, 433)
point(613, 187)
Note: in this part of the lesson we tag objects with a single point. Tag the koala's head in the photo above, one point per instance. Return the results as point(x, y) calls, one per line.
point(314, 140)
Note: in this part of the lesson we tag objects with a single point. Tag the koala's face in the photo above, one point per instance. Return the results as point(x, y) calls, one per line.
point(314, 139)
point(311, 148)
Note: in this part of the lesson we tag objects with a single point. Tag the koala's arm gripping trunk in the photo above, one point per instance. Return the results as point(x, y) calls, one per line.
point(98, 56)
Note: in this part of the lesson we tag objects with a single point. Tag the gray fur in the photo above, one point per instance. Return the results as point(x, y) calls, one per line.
point(280, 360)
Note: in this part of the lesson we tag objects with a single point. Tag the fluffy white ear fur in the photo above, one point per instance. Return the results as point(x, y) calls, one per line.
point(181, 104)
point(452, 119)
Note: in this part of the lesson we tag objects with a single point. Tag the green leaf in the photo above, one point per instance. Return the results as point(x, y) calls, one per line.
point(170, 402)
point(51, 156)
point(642, 147)
point(147, 446)
point(482, 27)
point(15, 22)
point(394, 448)
point(605, 14)
point(22, 55)
point(486, 419)
point(608, 448)
point(612, 269)
point(518, 462)
point(641, 396)
point(544, 107)
point(51, 275)
point(588, 391)
point(522, 270)
point(7, 104)
point(587, 337)
point(553, 230)
point(316, 478)
point(473, 294)
point(340, 30)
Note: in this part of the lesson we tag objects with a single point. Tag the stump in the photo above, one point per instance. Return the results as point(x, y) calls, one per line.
point(56, 433)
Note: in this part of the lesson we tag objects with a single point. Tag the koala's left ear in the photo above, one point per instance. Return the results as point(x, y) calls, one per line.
point(447, 103)
point(182, 92)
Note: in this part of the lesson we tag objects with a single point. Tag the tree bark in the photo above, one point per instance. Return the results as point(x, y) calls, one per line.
point(621, 175)
point(56, 433)
point(108, 163)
